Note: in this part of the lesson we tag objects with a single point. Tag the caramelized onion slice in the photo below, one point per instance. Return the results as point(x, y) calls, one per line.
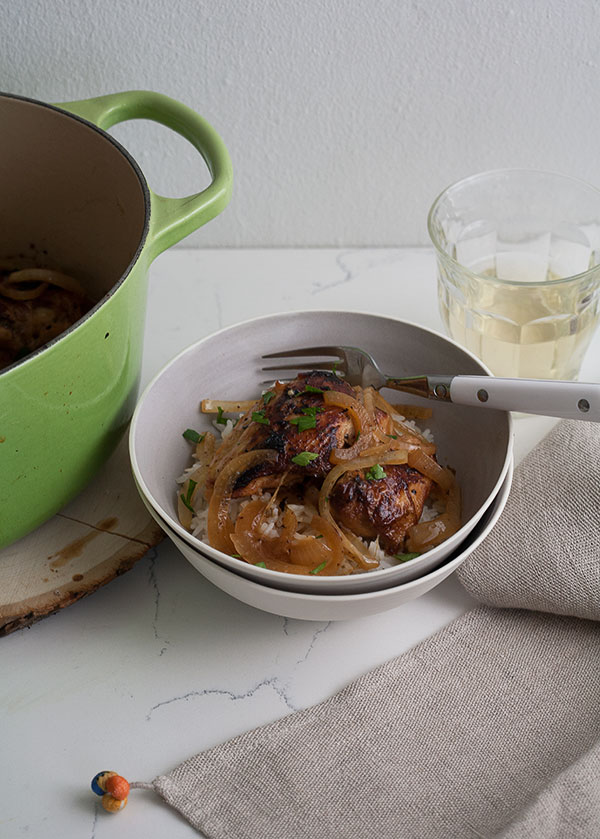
point(12, 293)
point(229, 448)
point(413, 411)
point(44, 276)
point(205, 448)
point(255, 548)
point(202, 457)
point(368, 431)
point(419, 460)
point(325, 551)
point(408, 435)
point(358, 412)
point(368, 396)
point(284, 552)
point(211, 406)
point(366, 440)
point(425, 535)
point(219, 524)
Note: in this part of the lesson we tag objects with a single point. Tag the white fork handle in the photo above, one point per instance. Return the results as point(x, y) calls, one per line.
point(571, 400)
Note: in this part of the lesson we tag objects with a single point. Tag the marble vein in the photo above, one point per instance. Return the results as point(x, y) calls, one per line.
point(152, 579)
point(94, 823)
point(272, 683)
point(347, 276)
point(275, 683)
point(218, 307)
point(354, 263)
point(312, 643)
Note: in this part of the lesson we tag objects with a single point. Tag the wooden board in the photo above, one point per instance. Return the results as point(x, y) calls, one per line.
point(95, 538)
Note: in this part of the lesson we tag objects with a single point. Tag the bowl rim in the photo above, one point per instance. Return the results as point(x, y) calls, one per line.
point(267, 573)
point(494, 511)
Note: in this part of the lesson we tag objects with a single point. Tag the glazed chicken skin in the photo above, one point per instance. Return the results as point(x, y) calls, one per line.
point(383, 508)
point(279, 430)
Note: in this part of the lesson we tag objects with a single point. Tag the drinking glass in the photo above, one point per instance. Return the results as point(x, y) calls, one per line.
point(518, 255)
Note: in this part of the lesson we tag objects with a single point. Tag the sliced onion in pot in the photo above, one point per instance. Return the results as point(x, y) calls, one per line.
point(45, 276)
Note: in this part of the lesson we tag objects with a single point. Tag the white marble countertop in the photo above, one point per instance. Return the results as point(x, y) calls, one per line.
point(159, 664)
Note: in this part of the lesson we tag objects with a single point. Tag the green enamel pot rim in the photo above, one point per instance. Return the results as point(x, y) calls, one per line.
point(102, 110)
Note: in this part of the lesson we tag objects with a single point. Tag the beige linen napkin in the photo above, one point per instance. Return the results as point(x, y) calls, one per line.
point(489, 728)
point(545, 552)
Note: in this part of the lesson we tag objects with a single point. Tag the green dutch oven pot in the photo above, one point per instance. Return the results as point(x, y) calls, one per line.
point(73, 195)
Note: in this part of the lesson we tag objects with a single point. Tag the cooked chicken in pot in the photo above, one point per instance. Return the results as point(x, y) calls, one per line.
point(36, 305)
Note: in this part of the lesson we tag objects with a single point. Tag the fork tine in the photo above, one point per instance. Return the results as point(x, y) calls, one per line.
point(307, 352)
point(321, 365)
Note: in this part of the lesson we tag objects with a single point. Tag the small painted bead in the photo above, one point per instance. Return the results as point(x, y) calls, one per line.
point(117, 786)
point(113, 805)
point(99, 781)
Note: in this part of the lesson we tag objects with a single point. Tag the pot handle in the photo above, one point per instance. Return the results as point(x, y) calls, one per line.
point(170, 218)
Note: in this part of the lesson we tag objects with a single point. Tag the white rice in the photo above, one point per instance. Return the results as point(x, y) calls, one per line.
point(424, 432)
point(225, 430)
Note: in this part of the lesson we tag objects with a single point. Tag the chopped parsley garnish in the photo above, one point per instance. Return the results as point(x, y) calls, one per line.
point(334, 367)
point(236, 556)
point(304, 458)
point(259, 416)
point(193, 436)
point(320, 536)
point(311, 389)
point(304, 422)
point(318, 568)
point(393, 436)
point(266, 397)
point(261, 564)
point(357, 436)
point(375, 473)
point(406, 557)
point(187, 498)
point(220, 420)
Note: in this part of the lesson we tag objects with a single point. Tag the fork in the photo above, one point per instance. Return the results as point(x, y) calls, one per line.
point(570, 400)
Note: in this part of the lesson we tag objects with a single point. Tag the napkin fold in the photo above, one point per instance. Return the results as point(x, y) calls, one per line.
point(489, 728)
point(544, 553)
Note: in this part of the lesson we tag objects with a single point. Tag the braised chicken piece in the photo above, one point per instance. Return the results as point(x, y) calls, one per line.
point(294, 420)
point(26, 325)
point(385, 507)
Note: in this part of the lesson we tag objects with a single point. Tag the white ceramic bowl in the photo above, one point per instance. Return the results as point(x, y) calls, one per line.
point(476, 442)
point(335, 607)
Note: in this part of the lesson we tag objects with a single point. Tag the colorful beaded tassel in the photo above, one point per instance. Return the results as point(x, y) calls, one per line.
point(113, 788)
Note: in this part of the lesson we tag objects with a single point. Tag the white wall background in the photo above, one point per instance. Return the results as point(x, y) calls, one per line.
point(344, 118)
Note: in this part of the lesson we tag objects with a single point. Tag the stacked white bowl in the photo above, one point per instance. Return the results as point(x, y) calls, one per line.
point(475, 442)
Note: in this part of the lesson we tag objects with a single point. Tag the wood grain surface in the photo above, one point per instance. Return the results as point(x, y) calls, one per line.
point(98, 536)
